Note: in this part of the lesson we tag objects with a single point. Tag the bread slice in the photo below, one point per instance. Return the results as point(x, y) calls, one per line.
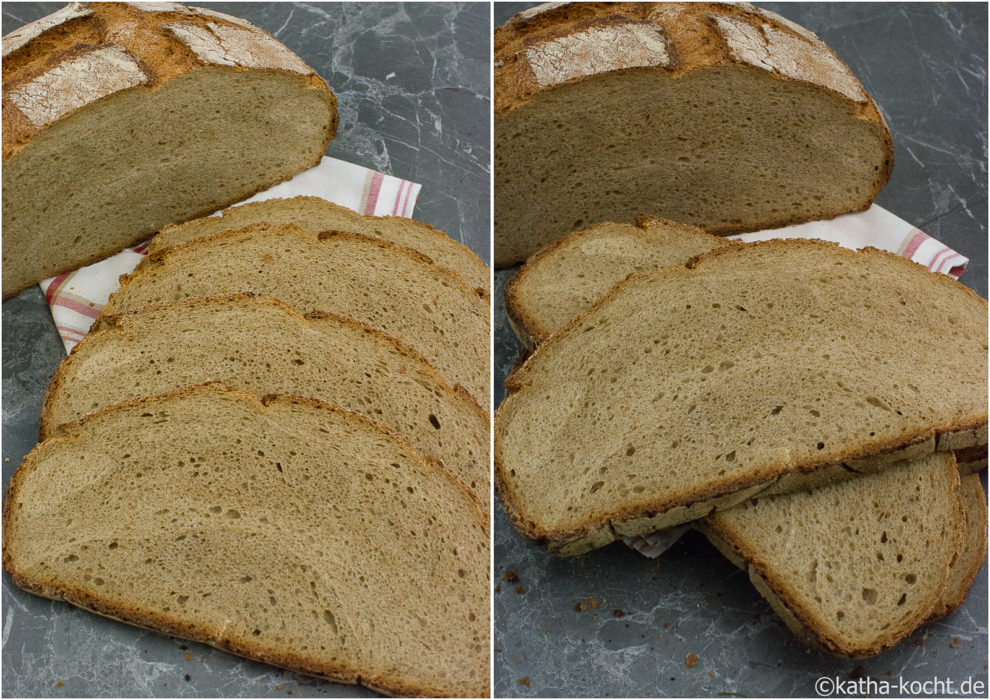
point(767, 366)
point(974, 547)
point(571, 274)
point(385, 286)
point(286, 530)
point(761, 124)
point(120, 118)
point(852, 573)
point(317, 215)
point(266, 347)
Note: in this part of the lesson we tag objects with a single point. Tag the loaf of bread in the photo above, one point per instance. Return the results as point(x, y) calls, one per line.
point(265, 347)
point(759, 368)
point(383, 285)
point(727, 117)
point(120, 118)
point(853, 575)
point(574, 272)
point(287, 531)
point(318, 215)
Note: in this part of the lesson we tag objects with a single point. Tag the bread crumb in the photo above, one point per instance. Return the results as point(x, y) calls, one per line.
point(593, 603)
point(524, 681)
point(520, 589)
point(518, 661)
point(498, 588)
point(920, 641)
point(666, 625)
point(60, 683)
point(278, 687)
point(618, 613)
point(955, 642)
point(188, 677)
point(691, 660)
point(580, 607)
point(711, 674)
point(188, 656)
point(511, 576)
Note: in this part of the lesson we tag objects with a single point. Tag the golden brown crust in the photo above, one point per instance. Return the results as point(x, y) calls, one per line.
point(161, 622)
point(146, 36)
point(601, 529)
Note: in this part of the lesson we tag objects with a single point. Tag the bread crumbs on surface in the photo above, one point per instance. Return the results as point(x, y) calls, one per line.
point(518, 661)
point(498, 588)
point(188, 677)
point(920, 641)
point(520, 589)
point(59, 684)
point(580, 607)
point(524, 681)
point(711, 674)
point(618, 613)
point(188, 656)
point(955, 642)
point(511, 576)
point(691, 660)
point(278, 687)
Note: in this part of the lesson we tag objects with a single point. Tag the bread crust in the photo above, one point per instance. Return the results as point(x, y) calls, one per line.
point(167, 624)
point(660, 513)
point(802, 621)
point(147, 37)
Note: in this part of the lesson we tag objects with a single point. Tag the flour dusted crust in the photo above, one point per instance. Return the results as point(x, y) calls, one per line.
point(674, 37)
point(120, 46)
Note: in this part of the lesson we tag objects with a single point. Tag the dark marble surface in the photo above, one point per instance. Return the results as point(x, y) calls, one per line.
point(412, 81)
point(926, 66)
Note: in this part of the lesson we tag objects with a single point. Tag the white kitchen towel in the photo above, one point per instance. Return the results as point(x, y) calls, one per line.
point(76, 298)
point(874, 227)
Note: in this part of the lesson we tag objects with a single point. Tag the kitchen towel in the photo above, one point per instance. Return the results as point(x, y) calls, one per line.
point(76, 298)
point(874, 227)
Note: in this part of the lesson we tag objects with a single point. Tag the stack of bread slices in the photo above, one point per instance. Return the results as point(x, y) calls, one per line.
point(817, 412)
point(274, 440)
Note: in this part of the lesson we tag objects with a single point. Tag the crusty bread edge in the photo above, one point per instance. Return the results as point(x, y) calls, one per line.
point(160, 622)
point(801, 621)
point(524, 324)
point(952, 435)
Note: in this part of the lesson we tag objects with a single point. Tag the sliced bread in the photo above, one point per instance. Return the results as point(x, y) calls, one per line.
point(854, 574)
point(317, 215)
point(265, 347)
point(764, 368)
point(383, 285)
point(974, 547)
point(571, 274)
point(761, 124)
point(285, 530)
point(120, 118)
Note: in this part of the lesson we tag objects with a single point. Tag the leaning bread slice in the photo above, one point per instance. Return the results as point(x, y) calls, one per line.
point(571, 274)
point(761, 125)
point(383, 285)
point(317, 215)
point(120, 118)
point(974, 548)
point(286, 530)
point(265, 347)
point(756, 367)
point(853, 567)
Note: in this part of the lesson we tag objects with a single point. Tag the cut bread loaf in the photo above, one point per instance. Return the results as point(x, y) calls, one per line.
point(318, 215)
point(974, 547)
point(852, 573)
point(287, 531)
point(762, 125)
point(759, 368)
point(385, 286)
point(120, 118)
point(571, 274)
point(265, 347)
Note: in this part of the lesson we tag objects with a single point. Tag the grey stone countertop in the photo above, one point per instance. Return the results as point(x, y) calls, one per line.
point(926, 66)
point(412, 81)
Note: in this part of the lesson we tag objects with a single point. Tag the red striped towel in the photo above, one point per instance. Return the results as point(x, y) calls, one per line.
point(75, 298)
point(875, 227)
